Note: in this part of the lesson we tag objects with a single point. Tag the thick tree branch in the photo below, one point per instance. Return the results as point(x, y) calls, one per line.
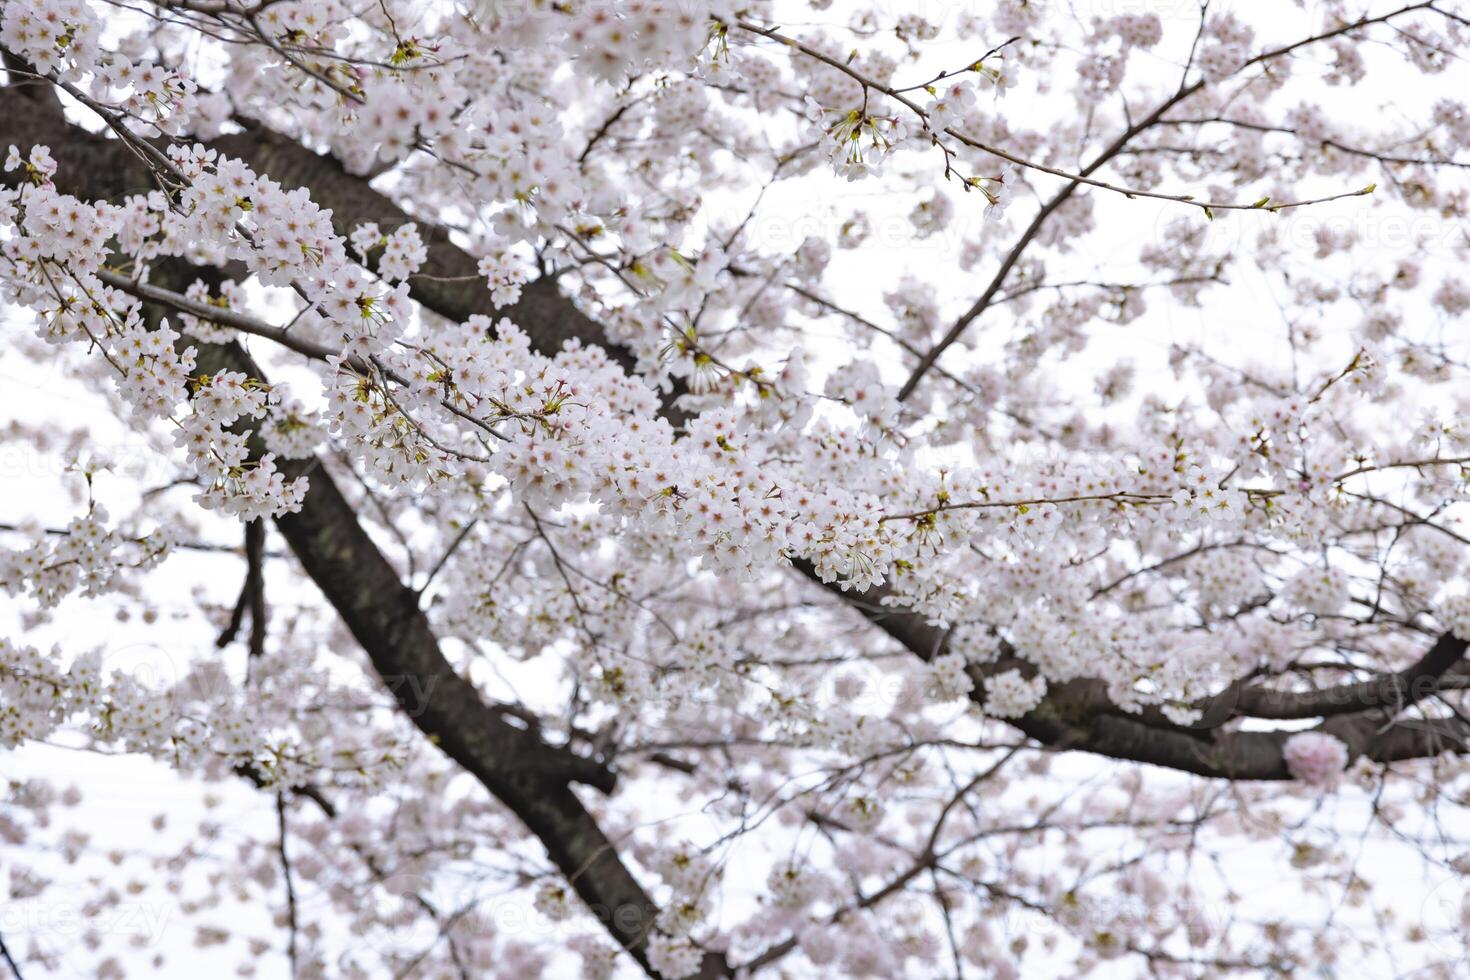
point(513, 763)
point(1393, 691)
point(1079, 715)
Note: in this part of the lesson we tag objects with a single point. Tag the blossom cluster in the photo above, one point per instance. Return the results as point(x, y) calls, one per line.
point(59, 245)
point(1315, 758)
point(85, 558)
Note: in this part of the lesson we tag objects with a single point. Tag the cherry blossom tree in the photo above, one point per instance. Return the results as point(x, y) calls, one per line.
point(742, 488)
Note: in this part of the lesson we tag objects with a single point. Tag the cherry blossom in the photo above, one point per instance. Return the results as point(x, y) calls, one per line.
point(1315, 758)
point(737, 490)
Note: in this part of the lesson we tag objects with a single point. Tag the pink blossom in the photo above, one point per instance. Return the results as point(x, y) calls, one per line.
point(1315, 758)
